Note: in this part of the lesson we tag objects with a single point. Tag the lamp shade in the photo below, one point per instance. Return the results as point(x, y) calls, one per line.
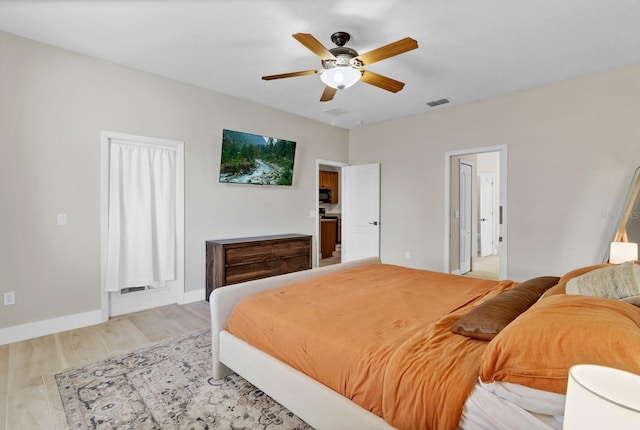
point(600, 397)
point(340, 77)
point(623, 251)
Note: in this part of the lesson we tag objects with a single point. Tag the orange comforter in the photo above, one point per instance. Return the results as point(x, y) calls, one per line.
point(375, 334)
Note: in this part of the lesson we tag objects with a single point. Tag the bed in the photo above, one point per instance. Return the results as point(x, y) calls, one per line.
point(456, 352)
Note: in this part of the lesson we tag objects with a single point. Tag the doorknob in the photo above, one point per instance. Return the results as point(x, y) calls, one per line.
point(483, 219)
point(374, 223)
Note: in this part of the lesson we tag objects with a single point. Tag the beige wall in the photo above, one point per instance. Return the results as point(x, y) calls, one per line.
point(53, 106)
point(572, 149)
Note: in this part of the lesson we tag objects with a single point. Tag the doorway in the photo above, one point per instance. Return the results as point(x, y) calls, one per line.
point(328, 212)
point(142, 223)
point(488, 232)
point(355, 214)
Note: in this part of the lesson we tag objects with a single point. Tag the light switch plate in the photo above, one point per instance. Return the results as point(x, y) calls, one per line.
point(62, 219)
point(9, 298)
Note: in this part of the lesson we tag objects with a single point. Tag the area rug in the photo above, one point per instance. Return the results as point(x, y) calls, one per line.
point(167, 385)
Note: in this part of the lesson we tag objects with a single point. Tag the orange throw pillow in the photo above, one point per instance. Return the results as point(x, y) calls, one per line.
point(538, 348)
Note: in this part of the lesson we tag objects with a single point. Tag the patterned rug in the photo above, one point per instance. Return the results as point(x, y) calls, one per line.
point(167, 385)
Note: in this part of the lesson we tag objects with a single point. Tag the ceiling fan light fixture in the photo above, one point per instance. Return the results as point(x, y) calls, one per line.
point(341, 77)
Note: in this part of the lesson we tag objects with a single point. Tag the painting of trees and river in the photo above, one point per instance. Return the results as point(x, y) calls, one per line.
point(253, 159)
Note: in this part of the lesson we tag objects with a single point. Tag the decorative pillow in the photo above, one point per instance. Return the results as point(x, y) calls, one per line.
point(562, 283)
point(613, 282)
point(486, 320)
point(540, 346)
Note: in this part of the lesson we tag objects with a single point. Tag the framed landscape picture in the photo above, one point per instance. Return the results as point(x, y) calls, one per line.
point(253, 159)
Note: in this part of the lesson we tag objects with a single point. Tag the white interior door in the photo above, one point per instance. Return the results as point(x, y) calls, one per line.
point(486, 221)
point(465, 217)
point(155, 293)
point(360, 211)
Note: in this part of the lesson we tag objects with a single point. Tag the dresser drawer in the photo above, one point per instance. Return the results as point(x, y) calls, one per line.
point(291, 264)
point(291, 248)
point(247, 272)
point(248, 254)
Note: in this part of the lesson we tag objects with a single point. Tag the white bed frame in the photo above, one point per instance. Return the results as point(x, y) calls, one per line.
point(318, 405)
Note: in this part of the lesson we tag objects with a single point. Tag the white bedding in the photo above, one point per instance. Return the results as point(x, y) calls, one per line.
point(503, 405)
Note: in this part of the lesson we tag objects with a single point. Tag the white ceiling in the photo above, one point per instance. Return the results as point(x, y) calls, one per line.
point(468, 49)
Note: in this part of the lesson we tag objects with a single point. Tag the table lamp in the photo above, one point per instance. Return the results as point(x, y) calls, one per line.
point(623, 251)
point(601, 397)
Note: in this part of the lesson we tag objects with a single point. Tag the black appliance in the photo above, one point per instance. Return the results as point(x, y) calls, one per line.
point(325, 195)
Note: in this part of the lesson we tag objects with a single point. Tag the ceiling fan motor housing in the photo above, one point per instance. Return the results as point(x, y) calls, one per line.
point(344, 57)
point(345, 60)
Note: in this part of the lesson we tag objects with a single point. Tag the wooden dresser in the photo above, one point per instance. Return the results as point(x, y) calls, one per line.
point(230, 261)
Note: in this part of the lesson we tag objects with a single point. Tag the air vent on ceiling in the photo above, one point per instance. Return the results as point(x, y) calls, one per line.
point(438, 102)
point(336, 111)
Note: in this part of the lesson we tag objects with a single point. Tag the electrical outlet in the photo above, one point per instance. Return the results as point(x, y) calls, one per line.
point(9, 298)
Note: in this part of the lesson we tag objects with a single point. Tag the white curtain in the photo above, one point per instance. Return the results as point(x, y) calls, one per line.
point(141, 238)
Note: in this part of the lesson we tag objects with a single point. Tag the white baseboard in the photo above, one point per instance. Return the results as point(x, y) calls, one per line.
point(69, 322)
point(194, 295)
point(20, 332)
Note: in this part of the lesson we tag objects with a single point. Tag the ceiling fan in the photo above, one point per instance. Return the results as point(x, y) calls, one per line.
point(342, 66)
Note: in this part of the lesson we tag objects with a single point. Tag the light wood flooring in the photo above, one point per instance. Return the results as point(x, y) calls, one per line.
point(335, 258)
point(29, 398)
point(485, 267)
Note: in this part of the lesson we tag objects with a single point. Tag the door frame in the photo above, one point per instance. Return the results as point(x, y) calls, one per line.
point(503, 216)
point(105, 140)
point(315, 215)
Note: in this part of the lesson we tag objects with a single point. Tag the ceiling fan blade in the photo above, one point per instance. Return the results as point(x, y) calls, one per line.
point(381, 81)
point(386, 51)
point(290, 75)
point(314, 46)
point(328, 93)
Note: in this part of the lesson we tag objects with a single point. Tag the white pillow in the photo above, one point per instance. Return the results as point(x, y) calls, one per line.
point(620, 282)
